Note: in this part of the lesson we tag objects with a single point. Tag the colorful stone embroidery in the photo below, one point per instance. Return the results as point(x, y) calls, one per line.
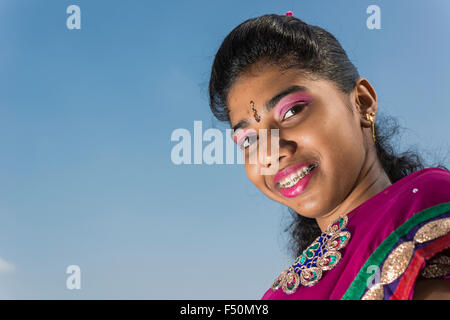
point(322, 255)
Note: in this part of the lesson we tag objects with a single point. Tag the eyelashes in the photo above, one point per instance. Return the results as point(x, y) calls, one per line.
point(293, 111)
point(299, 99)
point(245, 137)
point(247, 141)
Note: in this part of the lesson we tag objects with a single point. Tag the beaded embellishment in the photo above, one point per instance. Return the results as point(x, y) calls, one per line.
point(255, 113)
point(322, 255)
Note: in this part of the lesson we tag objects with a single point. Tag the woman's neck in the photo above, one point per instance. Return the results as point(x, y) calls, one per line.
point(372, 180)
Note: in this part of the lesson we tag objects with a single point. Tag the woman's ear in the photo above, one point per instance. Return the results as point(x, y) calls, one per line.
point(365, 99)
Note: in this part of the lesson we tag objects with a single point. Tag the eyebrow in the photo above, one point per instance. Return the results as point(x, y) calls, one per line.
point(271, 104)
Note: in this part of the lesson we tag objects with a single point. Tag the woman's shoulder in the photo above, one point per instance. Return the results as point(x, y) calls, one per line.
point(411, 202)
point(410, 230)
point(432, 185)
point(433, 176)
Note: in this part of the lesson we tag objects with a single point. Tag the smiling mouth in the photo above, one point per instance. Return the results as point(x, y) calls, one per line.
point(295, 177)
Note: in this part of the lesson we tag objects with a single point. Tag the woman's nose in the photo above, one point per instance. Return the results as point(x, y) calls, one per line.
point(274, 150)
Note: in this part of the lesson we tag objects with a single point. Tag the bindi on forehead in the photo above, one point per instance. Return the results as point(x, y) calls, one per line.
point(284, 97)
point(251, 86)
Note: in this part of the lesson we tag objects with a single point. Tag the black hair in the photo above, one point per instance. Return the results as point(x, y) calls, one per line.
point(288, 42)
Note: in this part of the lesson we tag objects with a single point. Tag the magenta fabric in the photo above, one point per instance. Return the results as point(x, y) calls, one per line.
point(369, 224)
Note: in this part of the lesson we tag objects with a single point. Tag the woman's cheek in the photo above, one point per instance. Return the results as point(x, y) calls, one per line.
point(252, 173)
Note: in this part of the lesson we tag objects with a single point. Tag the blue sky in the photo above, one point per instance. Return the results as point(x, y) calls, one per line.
point(85, 123)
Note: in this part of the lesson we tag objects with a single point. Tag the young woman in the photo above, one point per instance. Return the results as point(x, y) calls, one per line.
point(368, 224)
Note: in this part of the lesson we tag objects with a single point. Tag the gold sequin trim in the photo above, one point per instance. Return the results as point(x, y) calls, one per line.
point(438, 266)
point(376, 292)
point(398, 260)
point(441, 258)
point(432, 230)
point(435, 271)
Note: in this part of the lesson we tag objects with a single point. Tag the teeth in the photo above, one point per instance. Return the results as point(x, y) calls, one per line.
point(295, 177)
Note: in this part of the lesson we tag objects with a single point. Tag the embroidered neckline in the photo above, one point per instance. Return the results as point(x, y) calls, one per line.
point(322, 255)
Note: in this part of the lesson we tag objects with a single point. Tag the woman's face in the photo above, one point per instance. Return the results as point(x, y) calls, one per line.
point(315, 126)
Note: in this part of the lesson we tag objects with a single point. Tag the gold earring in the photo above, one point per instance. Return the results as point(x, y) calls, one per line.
point(370, 117)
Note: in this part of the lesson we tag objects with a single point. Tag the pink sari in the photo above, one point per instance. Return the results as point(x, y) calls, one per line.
point(396, 237)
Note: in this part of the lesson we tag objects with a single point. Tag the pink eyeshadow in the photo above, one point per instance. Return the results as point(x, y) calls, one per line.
point(286, 103)
point(241, 134)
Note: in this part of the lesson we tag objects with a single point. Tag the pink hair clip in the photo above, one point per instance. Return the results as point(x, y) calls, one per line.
point(289, 13)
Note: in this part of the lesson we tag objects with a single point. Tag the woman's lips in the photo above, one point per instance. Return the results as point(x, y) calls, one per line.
point(299, 186)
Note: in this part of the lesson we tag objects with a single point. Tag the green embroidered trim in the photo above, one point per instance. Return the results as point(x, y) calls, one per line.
point(359, 284)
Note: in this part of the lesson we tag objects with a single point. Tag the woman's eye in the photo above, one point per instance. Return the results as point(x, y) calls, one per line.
point(248, 141)
point(293, 111)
